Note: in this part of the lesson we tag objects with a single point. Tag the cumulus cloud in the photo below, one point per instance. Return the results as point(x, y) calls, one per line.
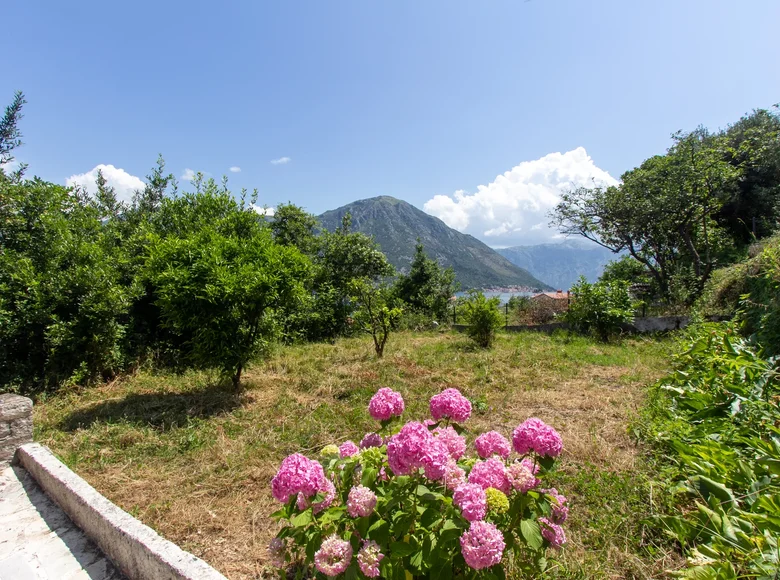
point(124, 183)
point(188, 175)
point(266, 211)
point(280, 161)
point(235, 169)
point(513, 209)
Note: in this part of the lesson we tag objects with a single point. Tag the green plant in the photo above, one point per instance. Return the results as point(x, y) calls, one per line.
point(375, 313)
point(427, 288)
point(716, 418)
point(482, 317)
point(599, 308)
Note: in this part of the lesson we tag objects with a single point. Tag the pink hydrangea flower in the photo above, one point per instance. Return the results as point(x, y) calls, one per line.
point(429, 422)
point(277, 550)
point(333, 557)
point(297, 474)
point(450, 404)
point(434, 460)
point(413, 448)
point(386, 404)
point(383, 474)
point(360, 502)
point(348, 449)
point(482, 545)
point(454, 475)
point(490, 473)
point(491, 443)
point(472, 501)
point(328, 489)
point(369, 558)
point(456, 444)
point(552, 532)
point(521, 476)
point(560, 511)
point(371, 440)
point(537, 436)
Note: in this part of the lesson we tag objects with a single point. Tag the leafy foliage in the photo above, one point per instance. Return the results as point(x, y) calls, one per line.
point(716, 418)
point(483, 318)
point(599, 308)
point(428, 287)
point(375, 313)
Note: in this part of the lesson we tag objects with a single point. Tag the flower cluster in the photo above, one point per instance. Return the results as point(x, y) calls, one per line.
point(482, 545)
point(472, 501)
point(348, 449)
point(298, 474)
point(386, 404)
point(369, 557)
point(490, 473)
point(333, 557)
point(450, 404)
point(419, 474)
point(361, 502)
point(456, 444)
point(535, 435)
point(492, 443)
point(413, 448)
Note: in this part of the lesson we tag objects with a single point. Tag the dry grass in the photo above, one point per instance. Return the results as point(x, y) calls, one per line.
point(194, 461)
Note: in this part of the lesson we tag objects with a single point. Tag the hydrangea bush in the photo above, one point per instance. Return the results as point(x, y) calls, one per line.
point(411, 501)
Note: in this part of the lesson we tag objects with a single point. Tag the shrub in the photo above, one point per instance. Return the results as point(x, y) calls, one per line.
point(716, 418)
point(599, 308)
point(411, 503)
point(483, 318)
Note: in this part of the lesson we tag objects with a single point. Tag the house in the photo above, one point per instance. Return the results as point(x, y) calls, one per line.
point(556, 301)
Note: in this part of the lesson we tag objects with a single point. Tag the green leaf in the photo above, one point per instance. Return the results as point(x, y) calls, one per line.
point(401, 549)
point(302, 519)
point(531, 533)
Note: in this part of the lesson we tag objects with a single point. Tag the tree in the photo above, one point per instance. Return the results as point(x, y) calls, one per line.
point(483, 318)
point(428, 287)
point(221, 284)
point(599, 308)
point(11, 136)
point(293, 226)
point(375, 314)
point(662, 213)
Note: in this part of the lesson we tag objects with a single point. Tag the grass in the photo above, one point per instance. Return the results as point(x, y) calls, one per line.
point(193, 460)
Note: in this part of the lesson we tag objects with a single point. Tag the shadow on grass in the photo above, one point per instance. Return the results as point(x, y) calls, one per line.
point(162, 411)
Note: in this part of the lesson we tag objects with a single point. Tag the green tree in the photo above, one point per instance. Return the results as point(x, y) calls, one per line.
point(222, 282)
point(663, 213)
point(428, 287)
point(599, 308)
point(293, 226)
point(375, 313)
point(482, 317)
point(11, 137)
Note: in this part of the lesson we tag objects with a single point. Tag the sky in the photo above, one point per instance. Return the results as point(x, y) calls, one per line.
point(480, 113)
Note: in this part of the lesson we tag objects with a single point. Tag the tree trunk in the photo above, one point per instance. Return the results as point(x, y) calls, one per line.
point(237, 377)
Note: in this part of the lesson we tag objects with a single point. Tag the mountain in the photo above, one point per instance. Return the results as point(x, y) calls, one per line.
point(396, 225)
point(561, 264)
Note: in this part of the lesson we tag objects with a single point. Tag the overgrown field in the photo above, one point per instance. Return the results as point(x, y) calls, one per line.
point(194, 461)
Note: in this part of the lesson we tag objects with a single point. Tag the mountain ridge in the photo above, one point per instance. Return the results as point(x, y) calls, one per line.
point(561, 264)
point(396, 225)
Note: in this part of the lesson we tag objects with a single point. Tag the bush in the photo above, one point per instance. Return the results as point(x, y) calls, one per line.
point(716, 418)
point(409, 502)
point(483, 318)
point(599, 308)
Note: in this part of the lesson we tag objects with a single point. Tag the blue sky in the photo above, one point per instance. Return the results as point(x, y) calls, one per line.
point(410, 99)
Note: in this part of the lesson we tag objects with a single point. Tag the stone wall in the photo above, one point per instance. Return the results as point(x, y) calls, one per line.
point(15, 424)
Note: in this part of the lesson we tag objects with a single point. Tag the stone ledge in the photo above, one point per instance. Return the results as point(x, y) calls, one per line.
point(137, 550)
point(15, 424)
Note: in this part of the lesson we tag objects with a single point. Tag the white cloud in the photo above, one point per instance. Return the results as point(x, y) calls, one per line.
point(280, 161)
point(513, 209)
point(266, 211)
point(124, 184)
point(188, 175)
point(235, 169)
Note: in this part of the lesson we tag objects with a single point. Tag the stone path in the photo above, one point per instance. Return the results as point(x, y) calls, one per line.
point(38, 541)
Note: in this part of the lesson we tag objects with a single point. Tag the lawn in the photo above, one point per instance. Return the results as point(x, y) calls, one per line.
point(193, 460)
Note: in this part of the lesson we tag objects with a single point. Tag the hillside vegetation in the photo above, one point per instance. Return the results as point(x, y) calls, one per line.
point(396, 224)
